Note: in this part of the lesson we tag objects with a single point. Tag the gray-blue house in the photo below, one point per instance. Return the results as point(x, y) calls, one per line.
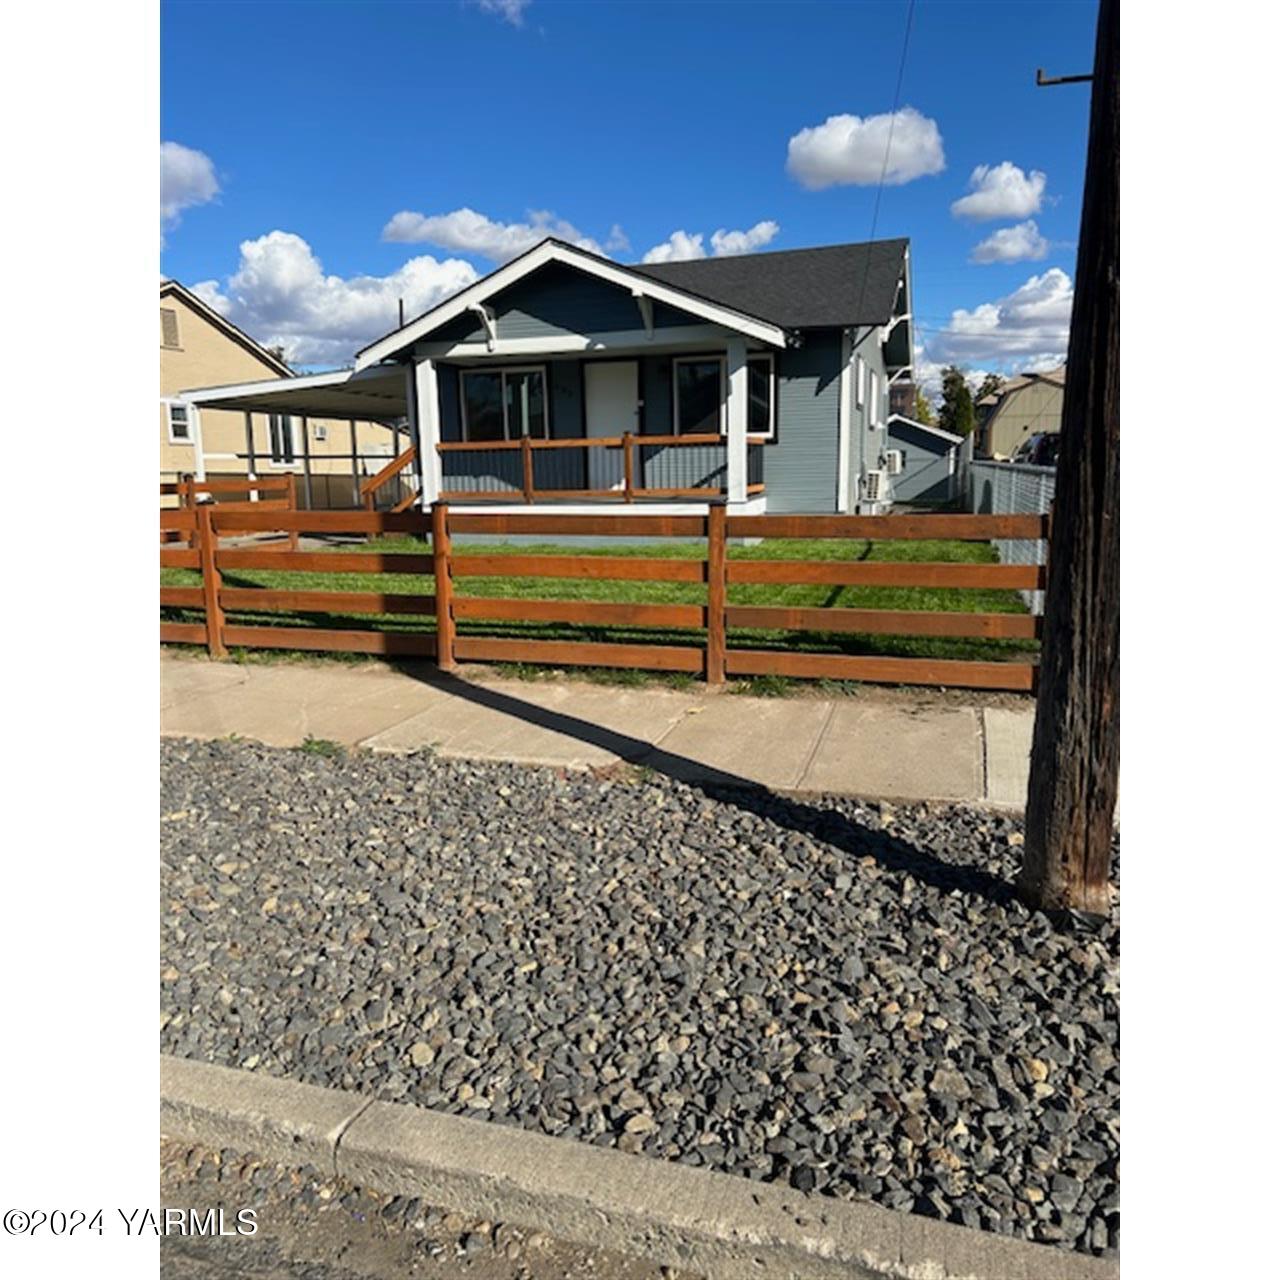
point(564, 377)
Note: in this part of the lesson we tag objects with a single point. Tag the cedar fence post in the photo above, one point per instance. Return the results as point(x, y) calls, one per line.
point(211, 581)
point(440, 552)
point(187, 498)
point(291, 497)
point(716, 592)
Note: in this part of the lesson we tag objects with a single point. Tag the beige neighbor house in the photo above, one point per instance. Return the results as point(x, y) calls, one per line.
point(327, 457)
point(1029, 403)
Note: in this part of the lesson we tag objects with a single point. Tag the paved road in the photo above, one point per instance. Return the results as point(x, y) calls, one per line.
point(326, 1229)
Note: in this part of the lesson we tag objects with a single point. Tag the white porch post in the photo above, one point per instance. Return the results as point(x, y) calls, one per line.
point(736, 440)
point(424, 422)
point(197, 438)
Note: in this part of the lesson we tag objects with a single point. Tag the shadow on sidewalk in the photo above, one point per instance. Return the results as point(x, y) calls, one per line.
point(828, 825)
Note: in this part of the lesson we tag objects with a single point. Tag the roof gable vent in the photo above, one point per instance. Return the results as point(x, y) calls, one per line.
point(168, 327)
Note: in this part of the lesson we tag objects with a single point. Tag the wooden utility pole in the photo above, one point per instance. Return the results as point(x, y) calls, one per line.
point(1075, 751)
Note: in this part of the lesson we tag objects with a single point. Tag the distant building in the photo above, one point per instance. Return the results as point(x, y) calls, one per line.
point(198, 347)
point(902, 399)
point(1026, 404)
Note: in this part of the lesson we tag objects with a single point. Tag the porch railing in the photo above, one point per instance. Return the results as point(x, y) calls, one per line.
point(625, 468)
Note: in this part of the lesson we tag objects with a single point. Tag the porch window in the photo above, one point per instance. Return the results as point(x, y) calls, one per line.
point(504, 404)
point(700, 386)
point(179, 424)
point(280, 430)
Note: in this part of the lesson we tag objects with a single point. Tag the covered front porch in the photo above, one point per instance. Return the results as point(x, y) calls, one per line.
point(635, 427)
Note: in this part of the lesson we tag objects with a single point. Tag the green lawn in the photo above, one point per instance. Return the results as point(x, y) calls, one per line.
point(950, 600)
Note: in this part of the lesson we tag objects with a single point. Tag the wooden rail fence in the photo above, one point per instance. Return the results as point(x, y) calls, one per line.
point(702, 643)
point(270, 493)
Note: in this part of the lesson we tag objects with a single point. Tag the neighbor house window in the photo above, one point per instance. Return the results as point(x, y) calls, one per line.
point(179, 424)
point(504, 404)
point(700, 384)
point(280, 430)
point(168, 327)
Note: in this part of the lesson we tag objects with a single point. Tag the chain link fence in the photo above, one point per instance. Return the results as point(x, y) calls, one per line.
point(1007, 488)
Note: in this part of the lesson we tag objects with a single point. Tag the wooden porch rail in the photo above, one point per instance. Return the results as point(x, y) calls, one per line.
point(628, 442)
point(701, 643)
point(369, 488)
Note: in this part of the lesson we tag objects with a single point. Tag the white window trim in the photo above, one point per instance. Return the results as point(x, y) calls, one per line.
point(169, 404)
point(873, 406)
point(269, 459)
point(862, 382)
point(771, 434)
point(502, 371)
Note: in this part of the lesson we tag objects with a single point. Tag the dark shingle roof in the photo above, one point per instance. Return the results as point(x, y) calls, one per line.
point(839, 284)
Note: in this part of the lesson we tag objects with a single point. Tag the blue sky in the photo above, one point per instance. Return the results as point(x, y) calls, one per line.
point(619, 124)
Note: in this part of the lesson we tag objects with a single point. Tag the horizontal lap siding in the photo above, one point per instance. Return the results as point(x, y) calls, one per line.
point(800, 468)
point(926, 474)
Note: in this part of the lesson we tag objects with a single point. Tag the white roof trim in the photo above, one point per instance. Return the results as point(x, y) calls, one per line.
point(236, 390)
point(556, 251)
point(924, 426)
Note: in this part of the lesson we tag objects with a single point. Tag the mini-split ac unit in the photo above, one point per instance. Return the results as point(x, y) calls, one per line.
point(893, 461)
point(875, 486)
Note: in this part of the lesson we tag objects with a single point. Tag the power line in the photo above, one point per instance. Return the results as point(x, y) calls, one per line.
point(888, 149)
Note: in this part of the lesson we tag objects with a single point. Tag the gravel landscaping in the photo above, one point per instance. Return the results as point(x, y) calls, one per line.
point(840, 995)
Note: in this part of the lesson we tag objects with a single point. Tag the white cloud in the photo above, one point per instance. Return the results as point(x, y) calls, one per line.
point(725, 244)
point(682, 246)
point(187, 178)
point(1019, 243)
point(281, 295)
point(1001, 191)
point(511, 11)
point(848, 151)
point(466, 231)
point(1026, 329)
point(679, 246)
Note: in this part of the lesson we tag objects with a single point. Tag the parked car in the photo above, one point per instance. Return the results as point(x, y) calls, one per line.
point(1040, 449)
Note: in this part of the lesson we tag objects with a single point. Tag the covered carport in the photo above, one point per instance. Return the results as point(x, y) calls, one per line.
point(379, 394)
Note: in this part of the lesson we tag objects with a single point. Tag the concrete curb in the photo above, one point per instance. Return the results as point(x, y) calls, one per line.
point(722, 1226)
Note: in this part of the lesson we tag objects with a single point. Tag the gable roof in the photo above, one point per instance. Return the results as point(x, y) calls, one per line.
point(827, 287)
point(221, 323)
point(941, 432)
point(760, 294)
point(1055, 377)
point(553, 250)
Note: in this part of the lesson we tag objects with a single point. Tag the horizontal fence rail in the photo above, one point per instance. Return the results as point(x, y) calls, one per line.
point(704, 636)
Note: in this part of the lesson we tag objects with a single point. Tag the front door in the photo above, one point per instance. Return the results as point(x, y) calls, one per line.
point(611, 388)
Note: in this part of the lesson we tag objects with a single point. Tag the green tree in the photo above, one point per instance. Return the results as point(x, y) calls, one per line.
point(956, 414)
point(991, 383)
point(922, 410)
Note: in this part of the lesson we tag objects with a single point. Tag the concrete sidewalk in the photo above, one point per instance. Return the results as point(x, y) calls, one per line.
point(875, 749)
